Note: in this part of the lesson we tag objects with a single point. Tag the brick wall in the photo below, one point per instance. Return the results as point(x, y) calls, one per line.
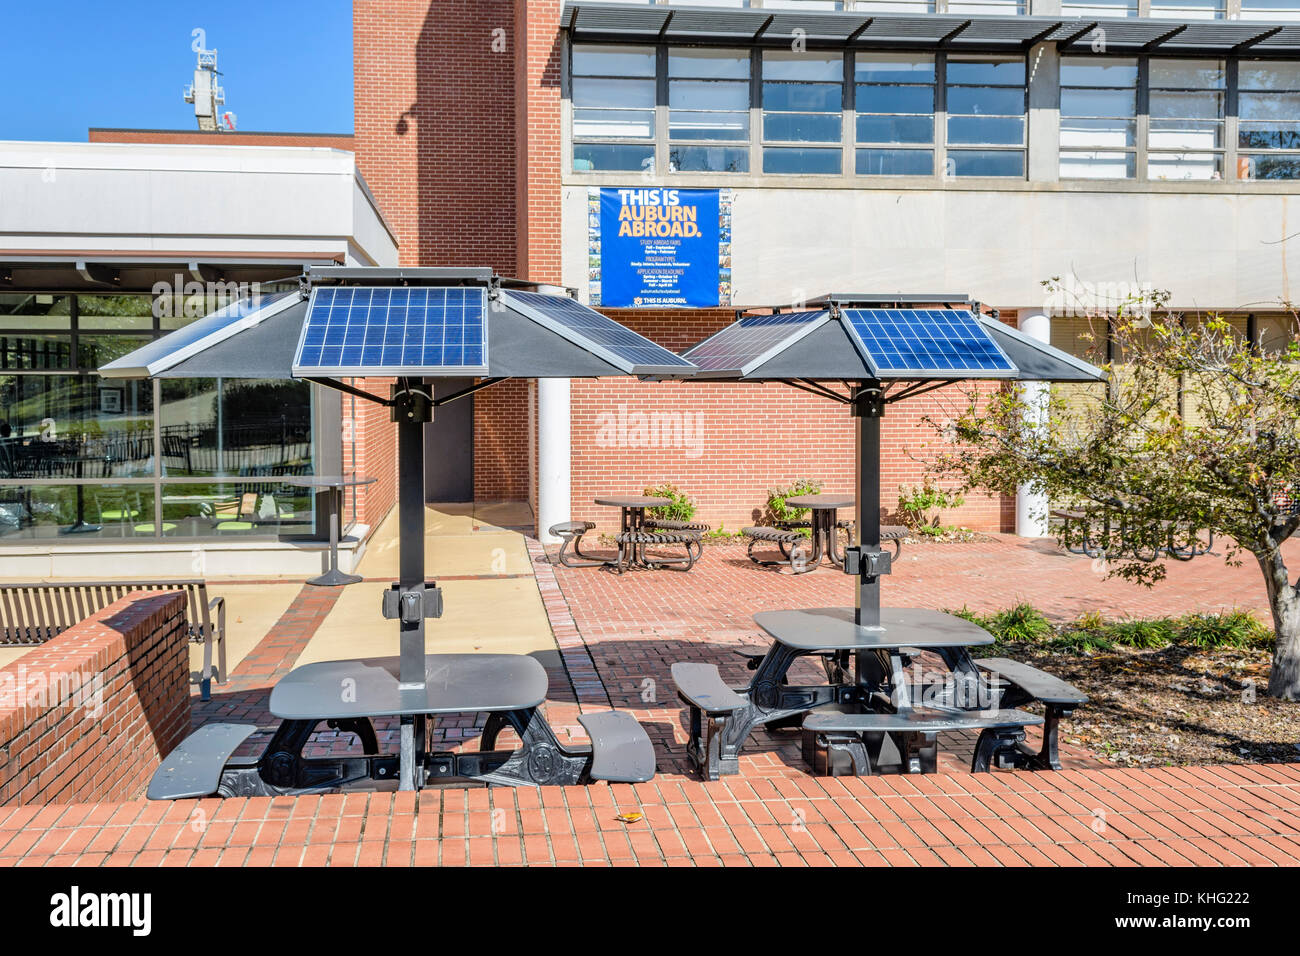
point(197, 137)
point(88, 716)
point(726, 445)
point(376, 445)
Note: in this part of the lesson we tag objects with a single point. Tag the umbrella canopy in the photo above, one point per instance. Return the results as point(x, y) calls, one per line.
point(377, 315)
point(884, 350)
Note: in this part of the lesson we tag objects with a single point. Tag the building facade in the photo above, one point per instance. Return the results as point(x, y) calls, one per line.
point(883, 146)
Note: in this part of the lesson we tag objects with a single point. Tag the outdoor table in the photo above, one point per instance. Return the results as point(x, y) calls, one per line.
point(824, 524)
point(335, 483)
point(632, 509)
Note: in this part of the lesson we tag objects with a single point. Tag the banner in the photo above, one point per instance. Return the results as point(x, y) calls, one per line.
point(659, 247)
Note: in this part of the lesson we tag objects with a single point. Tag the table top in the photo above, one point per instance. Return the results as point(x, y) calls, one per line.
point(454, 683)
point(832, 629)
point(634, 501)
point(820, 501)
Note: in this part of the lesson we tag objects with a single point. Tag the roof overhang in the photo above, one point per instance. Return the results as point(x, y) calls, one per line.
point(862, 30)
point(139, 272)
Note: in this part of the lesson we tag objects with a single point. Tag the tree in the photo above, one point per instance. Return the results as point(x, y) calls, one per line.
point(1196, 426)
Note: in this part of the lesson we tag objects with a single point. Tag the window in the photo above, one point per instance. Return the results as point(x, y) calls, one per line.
point(1098, 118)
point(1268, 128)
point(613, 108)
point(1099, 8)
point(1278, 11)
point(1186, 137)
point(1005, 8)
point(803, 95)
point(895, 114)
point(1187, 9)
point(986, 115)
point(85, 457)
point(708, 110)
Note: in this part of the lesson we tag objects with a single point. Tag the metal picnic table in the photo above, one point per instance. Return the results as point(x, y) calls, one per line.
point(865, 352)
point(632, 509)
point(502, 329)
point(824, 525)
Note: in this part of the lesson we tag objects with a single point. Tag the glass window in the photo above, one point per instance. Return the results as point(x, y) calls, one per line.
point(1278, 11)
point(1268, 128)
point(894, 101)
point(1099, 8)
point(708, 102)
point(1098, 118)
point(993, 7)
point(66, 512)
point(613, 101)
point(803, 95)
point(1187, 9)
point(1186, 137)
point(986, 109)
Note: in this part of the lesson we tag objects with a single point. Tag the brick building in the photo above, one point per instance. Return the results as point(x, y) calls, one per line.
point(967, 146)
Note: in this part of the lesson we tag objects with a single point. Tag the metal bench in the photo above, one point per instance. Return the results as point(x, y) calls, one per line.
point(851, 742)
point(571, 532)
point(711, 701)
point(665, 524)
point(893, 533)
point(34, 613)
point(1026, 684)
point(788, 541)
point(194, 768)
point(640, 540)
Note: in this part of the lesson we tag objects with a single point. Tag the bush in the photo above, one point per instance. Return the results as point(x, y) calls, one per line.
point(1231, 629)
point(776, 508)
point(1022, 624)
point(921, 508)
point(682, 508)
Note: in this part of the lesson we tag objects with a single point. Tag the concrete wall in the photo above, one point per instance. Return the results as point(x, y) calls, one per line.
point(210, 199)
point(1225, 247)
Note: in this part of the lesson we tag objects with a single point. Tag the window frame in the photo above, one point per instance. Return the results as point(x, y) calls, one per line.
point(1247, 153)
point(1136, 150)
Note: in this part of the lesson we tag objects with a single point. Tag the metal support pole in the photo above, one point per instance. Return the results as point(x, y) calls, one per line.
point(411, 410)
point(868, 406)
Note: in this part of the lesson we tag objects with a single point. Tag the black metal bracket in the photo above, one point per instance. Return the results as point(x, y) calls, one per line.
point(412, 605)
point(859, 561)
point(869, 402)
point(410, 404)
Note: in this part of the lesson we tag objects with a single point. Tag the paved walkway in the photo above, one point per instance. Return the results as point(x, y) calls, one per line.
point(613, 639)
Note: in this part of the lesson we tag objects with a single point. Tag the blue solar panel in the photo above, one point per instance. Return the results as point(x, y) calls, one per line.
point(615, 343)
point(394, 331)
point(747, 342)
point(933, 343)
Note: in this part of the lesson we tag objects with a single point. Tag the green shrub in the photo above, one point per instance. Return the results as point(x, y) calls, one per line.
point(776, 507)
point(1022, 624)
point(1144, 633)
point(922, 507)
point(682, 508)
point(1230, 629)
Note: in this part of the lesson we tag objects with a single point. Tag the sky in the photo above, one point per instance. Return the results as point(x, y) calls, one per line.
point(68, 65)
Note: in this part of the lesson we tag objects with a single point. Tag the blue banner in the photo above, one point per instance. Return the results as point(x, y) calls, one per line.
point(661, 248)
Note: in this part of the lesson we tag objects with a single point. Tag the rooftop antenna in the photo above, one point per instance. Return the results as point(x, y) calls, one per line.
point(207, 95)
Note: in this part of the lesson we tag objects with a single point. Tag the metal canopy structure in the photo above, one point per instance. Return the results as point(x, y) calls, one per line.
point(716, 26)
point(817, 351)
point(345, 323)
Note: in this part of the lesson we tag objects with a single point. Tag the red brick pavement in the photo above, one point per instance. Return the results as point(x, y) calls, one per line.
point(1229, 815)
point(617, 636)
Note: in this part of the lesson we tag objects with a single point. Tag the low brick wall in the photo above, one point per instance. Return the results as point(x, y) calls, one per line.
point(88, 716)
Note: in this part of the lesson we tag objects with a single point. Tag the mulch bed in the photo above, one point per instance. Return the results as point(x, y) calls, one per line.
point(1175, 706)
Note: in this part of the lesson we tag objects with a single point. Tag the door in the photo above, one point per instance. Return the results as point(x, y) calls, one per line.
point(449, 445)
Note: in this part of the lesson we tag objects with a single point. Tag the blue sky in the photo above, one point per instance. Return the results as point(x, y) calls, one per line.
point(67, 65)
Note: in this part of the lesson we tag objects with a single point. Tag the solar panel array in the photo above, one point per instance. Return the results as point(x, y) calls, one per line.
point(934, 343)
point(614, 342)
point(394, 331)
point(749, 339)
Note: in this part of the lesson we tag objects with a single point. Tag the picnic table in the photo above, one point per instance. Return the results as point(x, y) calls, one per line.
point(870, 716)
point(635, 536)
point(824, 525)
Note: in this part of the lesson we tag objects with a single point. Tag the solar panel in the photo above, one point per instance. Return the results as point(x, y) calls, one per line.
point(932, 343)
point(615, 343)
point(751, 340)
point(376, 330)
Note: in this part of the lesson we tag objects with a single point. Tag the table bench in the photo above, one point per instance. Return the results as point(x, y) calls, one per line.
point(789, 541)
point(636, 542)
point(570, 533)
point(1025, 684)
point(34, 613)
point(837, 743)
